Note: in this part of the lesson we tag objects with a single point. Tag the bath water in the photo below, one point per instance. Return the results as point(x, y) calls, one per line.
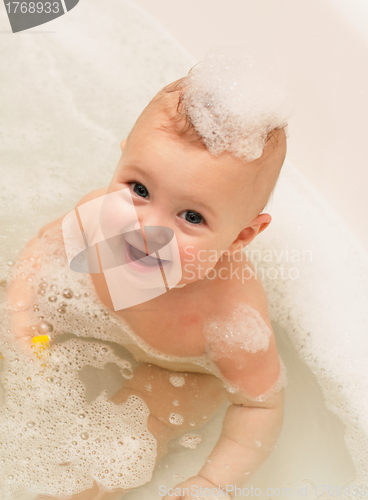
point(60, 140)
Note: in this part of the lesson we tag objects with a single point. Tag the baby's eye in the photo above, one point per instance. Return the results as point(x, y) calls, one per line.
point(139, 189)
point(193, 217)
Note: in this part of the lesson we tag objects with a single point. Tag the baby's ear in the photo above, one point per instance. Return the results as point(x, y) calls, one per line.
point(122, 144)
point(247, 235)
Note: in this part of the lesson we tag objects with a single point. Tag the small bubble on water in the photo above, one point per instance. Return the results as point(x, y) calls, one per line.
point(68, 293)
point(10, 263)
point(84, 435)
point(176, 419)
point(52, 298)
point(30, 424)
point(81, 415)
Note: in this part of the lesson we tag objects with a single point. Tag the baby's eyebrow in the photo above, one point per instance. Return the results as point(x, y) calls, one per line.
point(136, 168)
point(201, 204)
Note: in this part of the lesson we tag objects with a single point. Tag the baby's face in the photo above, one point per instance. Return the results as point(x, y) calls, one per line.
point(209, 202)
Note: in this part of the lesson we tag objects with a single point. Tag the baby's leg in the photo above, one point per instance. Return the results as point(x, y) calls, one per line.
point(197, 401)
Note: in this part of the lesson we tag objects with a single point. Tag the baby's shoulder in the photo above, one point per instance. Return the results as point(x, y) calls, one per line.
point(96, 193)
point(56, 224)
point(237, 282)
point(239, 336)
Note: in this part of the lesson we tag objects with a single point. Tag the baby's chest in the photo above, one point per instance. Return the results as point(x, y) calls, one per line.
point(173, 331)
point(179, 326)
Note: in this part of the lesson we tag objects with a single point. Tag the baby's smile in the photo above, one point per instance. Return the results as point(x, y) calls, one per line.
point(135, 254)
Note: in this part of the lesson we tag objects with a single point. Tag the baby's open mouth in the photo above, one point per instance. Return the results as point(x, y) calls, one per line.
point(137, 254)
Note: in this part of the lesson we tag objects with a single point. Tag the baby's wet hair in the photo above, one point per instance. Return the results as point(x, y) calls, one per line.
point(178, 122)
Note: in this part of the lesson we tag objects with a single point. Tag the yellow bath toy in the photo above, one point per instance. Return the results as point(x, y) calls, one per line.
point(40, 343)
point(41, 339)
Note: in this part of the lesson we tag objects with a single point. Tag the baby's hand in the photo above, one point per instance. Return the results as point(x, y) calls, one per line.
point(198, 488)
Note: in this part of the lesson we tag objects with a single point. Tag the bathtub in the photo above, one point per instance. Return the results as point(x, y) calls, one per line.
point(77, 87)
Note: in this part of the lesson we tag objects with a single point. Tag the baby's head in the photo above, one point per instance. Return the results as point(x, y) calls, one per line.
point(204, 163)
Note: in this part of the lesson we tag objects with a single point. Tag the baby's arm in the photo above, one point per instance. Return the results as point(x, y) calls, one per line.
point(21, 293)
point(250, 428)
point(249, 432)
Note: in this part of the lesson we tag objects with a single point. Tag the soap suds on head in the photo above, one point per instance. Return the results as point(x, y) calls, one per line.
point(234, 102)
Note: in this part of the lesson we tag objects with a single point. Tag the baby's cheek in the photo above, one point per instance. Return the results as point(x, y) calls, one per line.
point(196, 269)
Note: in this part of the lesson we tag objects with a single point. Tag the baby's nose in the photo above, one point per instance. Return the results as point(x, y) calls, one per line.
point(153, 229)
point(156, 236)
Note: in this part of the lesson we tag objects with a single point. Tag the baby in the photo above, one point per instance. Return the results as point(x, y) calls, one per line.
point(203, 159)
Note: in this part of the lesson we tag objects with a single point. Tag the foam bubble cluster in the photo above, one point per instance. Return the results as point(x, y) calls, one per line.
point(245, 331)
point(234, 102)
point(177, 380)
point(53, 441)
point(190, 441)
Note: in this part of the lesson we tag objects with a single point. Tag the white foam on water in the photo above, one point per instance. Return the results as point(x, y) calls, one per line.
point(323, 310)
point(52, 440)
point(177, 380)
point(190, 441)
point(322, 302)
point(176, 418)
